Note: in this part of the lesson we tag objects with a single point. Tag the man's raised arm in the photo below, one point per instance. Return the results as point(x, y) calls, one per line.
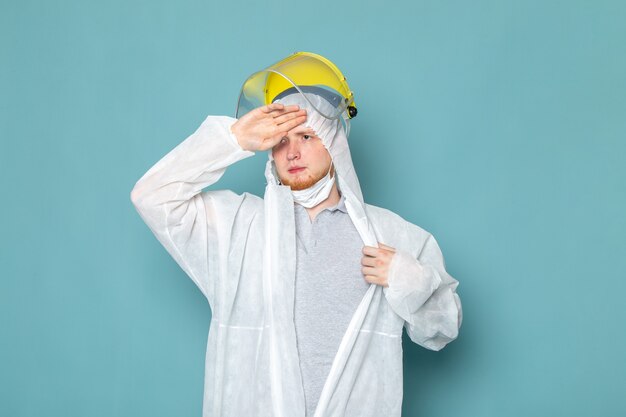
point(168, 197)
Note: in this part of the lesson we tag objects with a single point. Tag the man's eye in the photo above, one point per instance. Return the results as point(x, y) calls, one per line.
point(307, 136)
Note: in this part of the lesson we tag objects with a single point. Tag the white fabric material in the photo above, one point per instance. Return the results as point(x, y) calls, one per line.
point(239, 250)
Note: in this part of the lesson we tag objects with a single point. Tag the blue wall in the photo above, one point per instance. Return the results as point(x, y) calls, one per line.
point(499, 126)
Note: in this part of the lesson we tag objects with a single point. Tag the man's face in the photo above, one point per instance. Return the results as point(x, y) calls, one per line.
point(301, 158)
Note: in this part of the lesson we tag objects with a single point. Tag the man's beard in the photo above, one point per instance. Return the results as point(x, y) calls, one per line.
point(304, 183)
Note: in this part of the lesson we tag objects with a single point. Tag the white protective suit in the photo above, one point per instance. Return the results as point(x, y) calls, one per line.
point(240, 250)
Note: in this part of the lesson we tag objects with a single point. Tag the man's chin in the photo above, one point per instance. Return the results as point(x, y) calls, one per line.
point(300, 184)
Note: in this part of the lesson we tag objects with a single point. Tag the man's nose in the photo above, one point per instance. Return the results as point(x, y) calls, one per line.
point(293, 151)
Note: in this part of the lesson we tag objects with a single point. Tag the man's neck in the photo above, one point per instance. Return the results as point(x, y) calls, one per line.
point(332, 200)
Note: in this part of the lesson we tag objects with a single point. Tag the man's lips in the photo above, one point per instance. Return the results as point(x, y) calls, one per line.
point(295, 169)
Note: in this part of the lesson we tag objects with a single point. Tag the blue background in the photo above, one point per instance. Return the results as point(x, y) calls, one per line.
point(499, 126)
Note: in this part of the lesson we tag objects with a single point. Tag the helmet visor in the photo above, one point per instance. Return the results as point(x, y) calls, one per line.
point(301, 72)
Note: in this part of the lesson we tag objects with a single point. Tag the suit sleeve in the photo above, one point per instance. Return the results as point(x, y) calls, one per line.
point(423, 293)
point(193, 225)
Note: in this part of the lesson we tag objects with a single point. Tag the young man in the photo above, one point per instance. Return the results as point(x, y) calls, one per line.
point(309, 287)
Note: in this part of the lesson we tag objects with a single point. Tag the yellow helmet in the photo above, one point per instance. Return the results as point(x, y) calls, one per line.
point(303, 72)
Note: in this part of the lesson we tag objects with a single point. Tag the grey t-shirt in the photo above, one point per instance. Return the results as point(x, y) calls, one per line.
point(329, 287)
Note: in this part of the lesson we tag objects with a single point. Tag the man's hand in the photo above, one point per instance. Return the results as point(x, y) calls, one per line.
point(376, 263)
point(263, 127)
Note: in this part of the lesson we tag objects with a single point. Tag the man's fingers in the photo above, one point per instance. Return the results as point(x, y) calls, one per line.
point(368, 261)
point(376, 280)
point(370, 250)
point(290, 124)
point(279, 108)
point(292, 107)
point(281, 112)
point(288, 116)
point(371, 279)
point(367, 270)
point(271, 107)
point(382, 245)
